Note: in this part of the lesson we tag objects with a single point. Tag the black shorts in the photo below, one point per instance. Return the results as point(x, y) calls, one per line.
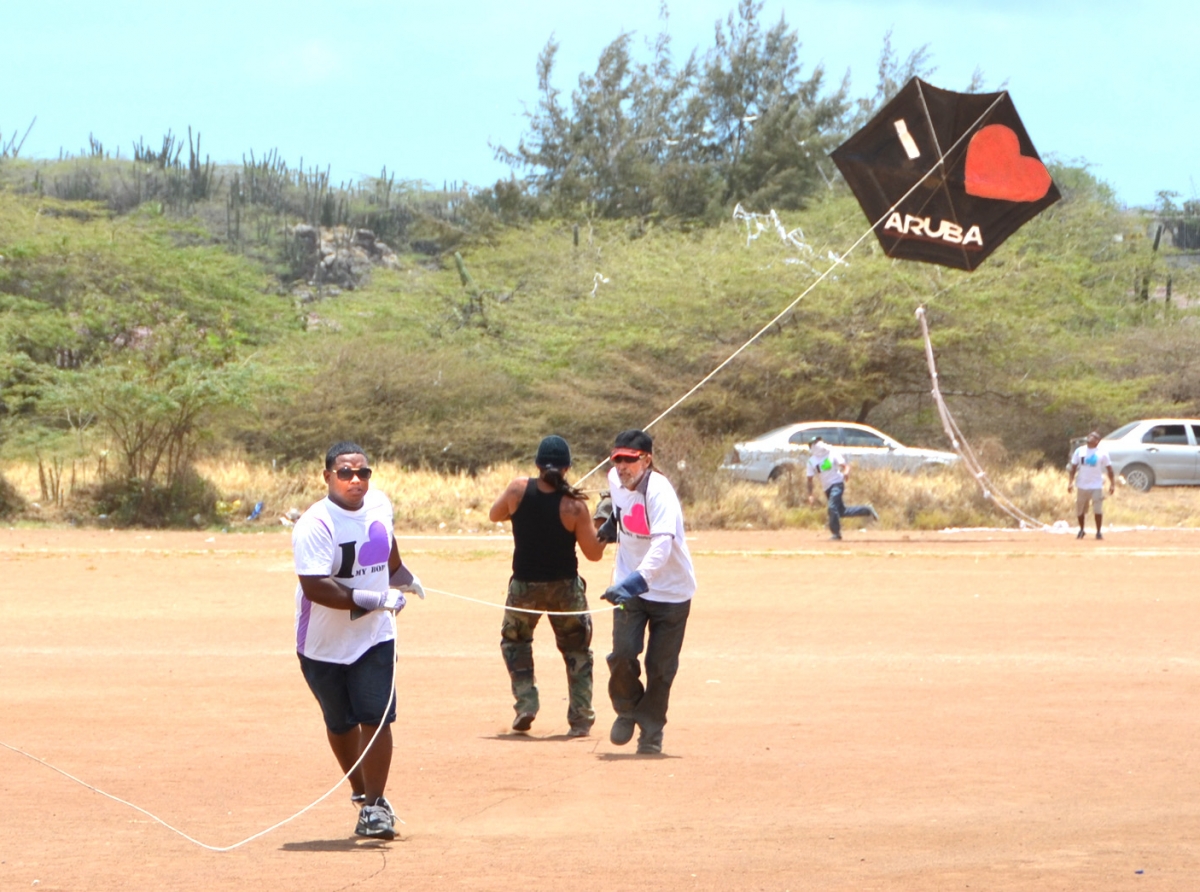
point(353, 694)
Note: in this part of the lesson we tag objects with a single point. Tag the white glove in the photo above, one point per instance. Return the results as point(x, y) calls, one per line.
point(392, 599)
point(414, 588)
point(406, 580)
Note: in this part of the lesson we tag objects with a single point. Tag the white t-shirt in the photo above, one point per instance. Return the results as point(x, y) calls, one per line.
point(353, 547)
point(827, 467)
point(1090, 464)
point(650, 538)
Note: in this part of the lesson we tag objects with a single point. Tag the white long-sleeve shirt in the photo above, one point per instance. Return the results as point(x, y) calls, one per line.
point(650, 538)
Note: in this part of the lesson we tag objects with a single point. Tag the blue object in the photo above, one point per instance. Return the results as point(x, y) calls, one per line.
point(626, 590)
point(256, 512)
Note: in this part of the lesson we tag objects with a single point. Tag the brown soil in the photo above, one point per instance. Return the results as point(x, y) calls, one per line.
point(975, 710)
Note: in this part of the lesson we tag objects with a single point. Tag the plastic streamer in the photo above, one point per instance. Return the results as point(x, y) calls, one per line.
point(963, 448)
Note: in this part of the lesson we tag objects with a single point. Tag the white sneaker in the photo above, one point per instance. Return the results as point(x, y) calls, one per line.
point(376, 821)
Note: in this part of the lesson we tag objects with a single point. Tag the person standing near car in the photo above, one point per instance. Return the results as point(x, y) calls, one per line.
point(830, 467)
point(549, 517)
point(653, 593)
point(1090, 462)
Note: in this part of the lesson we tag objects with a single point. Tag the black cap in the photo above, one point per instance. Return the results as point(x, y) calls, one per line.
point(553, 454)
point(632, 442)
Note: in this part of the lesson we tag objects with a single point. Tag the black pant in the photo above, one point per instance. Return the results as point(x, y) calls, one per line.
point(646, 704)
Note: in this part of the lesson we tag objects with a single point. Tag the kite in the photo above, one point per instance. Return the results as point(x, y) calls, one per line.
point(945, 177)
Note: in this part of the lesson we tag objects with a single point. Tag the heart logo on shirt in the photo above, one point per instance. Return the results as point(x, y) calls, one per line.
point(634, 520)
point(996, 168)
point(377, 548)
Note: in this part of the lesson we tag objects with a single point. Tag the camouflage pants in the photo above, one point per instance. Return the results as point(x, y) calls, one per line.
point(572, 634)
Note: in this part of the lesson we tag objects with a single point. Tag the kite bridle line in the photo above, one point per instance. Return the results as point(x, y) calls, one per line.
point(963, 448)
point(886, 214)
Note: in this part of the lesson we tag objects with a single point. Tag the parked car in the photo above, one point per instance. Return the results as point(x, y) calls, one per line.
point(1156, 452)
point(766, 457)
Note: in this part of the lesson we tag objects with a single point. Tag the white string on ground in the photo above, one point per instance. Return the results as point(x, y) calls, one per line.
point(523, 609)
point(963, 448)
point(248, 839)
point(837, 261)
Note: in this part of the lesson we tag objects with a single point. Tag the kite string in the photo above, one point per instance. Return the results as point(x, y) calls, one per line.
point(261, 833)
point(837, 262)
point(332, 790)
point(589, 612)
point(962, 447)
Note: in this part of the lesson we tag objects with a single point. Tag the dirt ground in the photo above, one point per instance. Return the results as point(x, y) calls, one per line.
point(973, 710)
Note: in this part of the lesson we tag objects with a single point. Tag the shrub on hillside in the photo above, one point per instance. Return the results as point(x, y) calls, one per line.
point(10, 500)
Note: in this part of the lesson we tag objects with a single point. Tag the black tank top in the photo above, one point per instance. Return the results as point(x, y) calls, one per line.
point(544, 549)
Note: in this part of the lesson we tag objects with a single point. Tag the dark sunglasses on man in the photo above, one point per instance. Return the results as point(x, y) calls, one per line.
point(624, 459)
point(348, 474)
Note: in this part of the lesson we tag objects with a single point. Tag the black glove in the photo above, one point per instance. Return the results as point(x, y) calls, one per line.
point(608, 530)
point(604, 509)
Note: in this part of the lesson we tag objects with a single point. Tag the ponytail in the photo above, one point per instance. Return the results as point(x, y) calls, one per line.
point(556, 480)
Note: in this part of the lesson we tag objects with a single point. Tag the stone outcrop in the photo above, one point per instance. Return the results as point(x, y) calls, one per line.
point(336, 258)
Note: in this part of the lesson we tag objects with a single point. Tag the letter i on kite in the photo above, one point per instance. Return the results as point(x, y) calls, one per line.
point(945, 177)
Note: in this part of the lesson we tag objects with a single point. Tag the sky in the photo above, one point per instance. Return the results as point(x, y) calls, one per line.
point(428, 89)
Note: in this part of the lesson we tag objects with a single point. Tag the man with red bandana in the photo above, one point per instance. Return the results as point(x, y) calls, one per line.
point(653, 589)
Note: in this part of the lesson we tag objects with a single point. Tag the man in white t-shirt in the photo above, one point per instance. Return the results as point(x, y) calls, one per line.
point(830, 467)
point(654, 588)
point(352, 583)
point(1090, 462)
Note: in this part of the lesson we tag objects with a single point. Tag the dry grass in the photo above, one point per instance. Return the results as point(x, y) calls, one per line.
point(426, 501)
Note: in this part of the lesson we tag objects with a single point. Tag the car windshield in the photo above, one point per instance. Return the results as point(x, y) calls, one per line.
point(1122, 431)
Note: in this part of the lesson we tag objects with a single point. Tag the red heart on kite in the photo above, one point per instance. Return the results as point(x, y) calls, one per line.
point(997, 169)
point(635, 520)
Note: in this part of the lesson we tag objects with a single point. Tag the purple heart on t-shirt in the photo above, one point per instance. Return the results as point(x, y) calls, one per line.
point(377, 547)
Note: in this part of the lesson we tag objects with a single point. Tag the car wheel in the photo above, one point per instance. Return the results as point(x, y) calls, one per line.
point(777, 472)
point(1139, 477)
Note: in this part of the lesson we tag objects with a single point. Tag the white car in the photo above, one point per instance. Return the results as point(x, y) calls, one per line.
point(766, 457)
point(1156, 452)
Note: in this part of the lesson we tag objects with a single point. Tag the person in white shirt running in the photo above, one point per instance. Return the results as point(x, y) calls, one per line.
point(653, 592)
point(830, 467)
point(351, 577)
point(1091, 462)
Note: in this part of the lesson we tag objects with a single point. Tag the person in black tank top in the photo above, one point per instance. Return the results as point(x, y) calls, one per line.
point(549, 517)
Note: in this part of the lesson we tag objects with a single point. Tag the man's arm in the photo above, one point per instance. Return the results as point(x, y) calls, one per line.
point(576, 519)
point(1112, 480)
point(324, 591)
point(508, 502)
point(1071, 475)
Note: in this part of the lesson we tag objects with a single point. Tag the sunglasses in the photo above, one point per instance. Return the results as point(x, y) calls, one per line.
point(348, 474)
point(625, 459)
